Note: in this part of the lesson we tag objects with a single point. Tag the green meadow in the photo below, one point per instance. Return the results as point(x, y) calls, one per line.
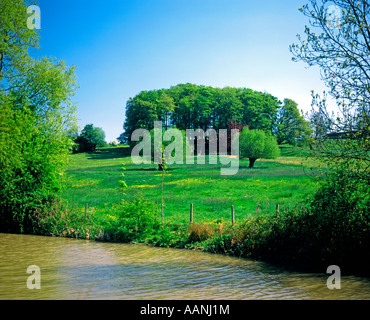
point(318, 222)
point(92, 179)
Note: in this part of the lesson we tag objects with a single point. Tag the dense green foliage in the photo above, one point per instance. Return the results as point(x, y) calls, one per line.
point(319, 224)
point(189, 106)
point(36, 122)
point(133, 221)
point(256, 144)
point(90, 138)
point(292, 128)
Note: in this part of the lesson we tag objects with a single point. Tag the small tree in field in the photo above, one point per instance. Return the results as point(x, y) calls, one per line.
point(90, 138)
point(256, 144)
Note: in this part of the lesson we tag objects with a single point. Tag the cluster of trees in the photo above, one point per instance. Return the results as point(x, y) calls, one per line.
point(36, 122)
point(190, 106)
point(90, 138)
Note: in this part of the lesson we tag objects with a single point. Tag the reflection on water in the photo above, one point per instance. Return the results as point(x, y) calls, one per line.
point(77, 269)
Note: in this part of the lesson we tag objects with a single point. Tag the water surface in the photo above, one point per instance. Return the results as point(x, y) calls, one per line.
point(79, 269)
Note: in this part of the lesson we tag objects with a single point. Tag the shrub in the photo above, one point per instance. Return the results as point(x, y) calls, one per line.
point(56, 218)
point(333, 228)
point(166, 237)
point(135, 221)
point(33, 155)
point(221, 243)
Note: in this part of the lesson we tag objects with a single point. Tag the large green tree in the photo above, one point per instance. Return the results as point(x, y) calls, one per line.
point(259, 109)
point(141, 112)
point(292, 128)
point(36, 121)
point(228, 107)
point(90, 138)
point(256, 144)
point(165, 106)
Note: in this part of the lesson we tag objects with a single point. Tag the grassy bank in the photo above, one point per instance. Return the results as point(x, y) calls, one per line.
point(93, 179)
point(301, 235)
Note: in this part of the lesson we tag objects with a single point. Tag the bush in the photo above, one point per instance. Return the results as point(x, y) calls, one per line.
point(166, 237)
point(133, 221)
point(341, 209)
point(333, 228)
point(56, 218)
point(33, 155)
point(221, 243)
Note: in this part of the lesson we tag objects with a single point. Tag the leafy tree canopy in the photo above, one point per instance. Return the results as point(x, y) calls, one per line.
point(292, 128)
point(337, 40)
point(36, 121)
point(189, 106)
point(256, 144)
point(90, 138)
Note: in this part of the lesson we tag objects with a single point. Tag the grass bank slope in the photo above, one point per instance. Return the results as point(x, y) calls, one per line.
point(92, 178)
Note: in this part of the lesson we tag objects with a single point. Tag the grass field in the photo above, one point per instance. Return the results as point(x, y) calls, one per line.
point(330, 228)
point(92, 178)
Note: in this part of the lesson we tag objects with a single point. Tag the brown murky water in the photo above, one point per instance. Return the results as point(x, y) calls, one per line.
point(78, 269)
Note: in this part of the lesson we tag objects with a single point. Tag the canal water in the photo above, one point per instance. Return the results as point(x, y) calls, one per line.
point(78, 269)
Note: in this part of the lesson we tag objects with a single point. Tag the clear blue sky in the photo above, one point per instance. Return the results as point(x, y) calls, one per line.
point(123, 47)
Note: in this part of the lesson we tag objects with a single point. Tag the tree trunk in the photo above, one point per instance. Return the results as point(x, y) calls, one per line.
point(251, 162)
point(1, 62)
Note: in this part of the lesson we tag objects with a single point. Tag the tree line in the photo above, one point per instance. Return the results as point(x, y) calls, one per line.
point(191, 106)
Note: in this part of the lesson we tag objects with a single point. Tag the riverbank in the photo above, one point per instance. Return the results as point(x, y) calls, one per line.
point(306, 233)
point(295, 239)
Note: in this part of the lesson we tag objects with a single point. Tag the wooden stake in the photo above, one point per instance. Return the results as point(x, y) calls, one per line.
point(277, 209)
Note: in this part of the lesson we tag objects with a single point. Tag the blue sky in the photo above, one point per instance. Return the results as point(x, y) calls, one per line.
point(123, 47)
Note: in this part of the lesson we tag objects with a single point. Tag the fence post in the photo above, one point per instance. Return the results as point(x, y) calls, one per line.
point(232, 215)
point(277, 209)
point(191, 213)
